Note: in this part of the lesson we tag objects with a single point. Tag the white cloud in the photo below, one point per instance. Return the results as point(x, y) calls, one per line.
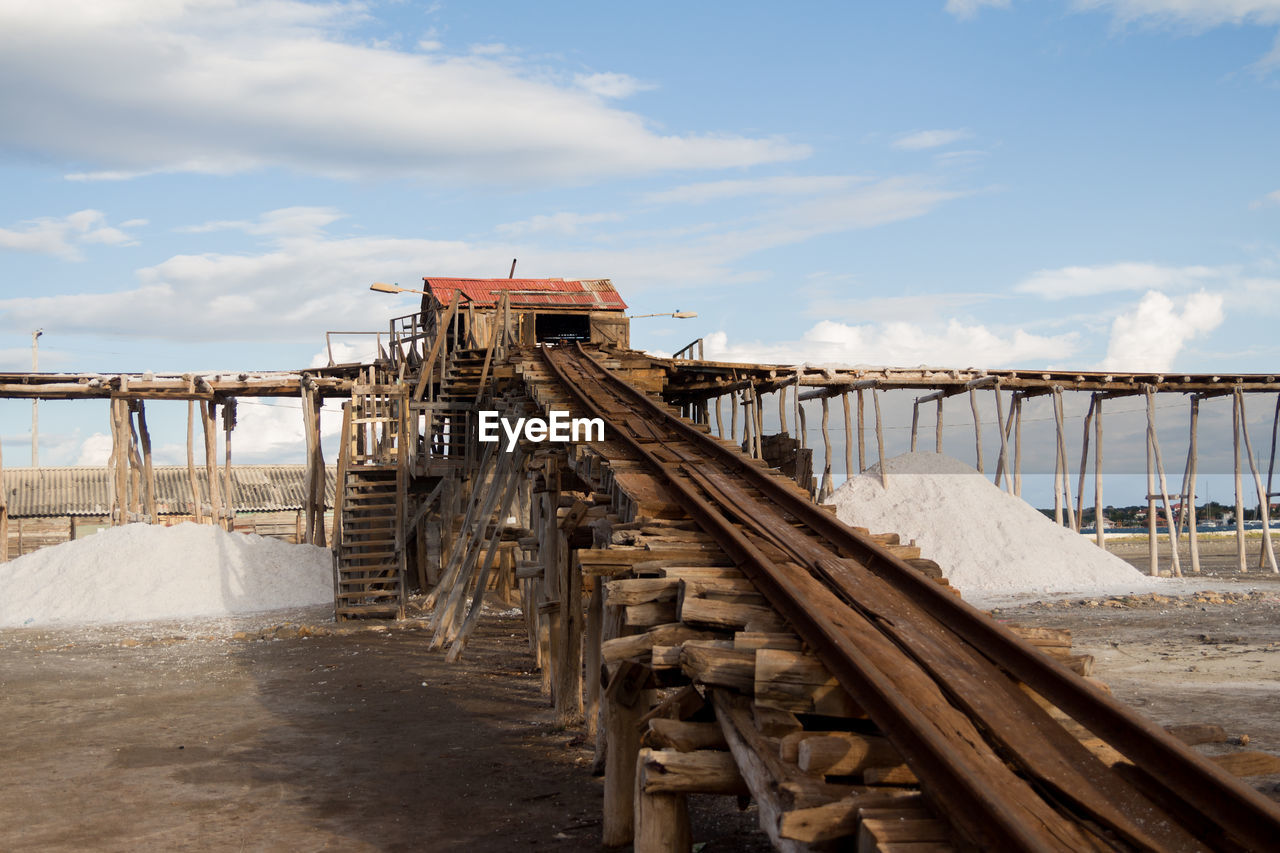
point(1271, 199)
point(900, 344)
point(284, 222)
point(304, 280)
point(131, 88)
point(925, 139)
point(556, 223)
point(611, 85)
point(969, 8)
point(1150, 337)
point(707, 191)
point(271, 430)
point(1200, 13)
point(353, 350)
point(1067, 282)
point(60, 237)
point(95, 450)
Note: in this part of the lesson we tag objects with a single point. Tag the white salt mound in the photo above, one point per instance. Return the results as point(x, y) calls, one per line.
point(142, 572)
point(985, 540)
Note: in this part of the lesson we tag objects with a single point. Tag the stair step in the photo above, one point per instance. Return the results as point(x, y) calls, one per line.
point(371, 582)
point(368, 562)
point(353, 598)
point(369, 610)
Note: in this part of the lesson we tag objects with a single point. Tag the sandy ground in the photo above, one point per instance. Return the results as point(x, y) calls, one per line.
point(1207, 658)
point(163, 738)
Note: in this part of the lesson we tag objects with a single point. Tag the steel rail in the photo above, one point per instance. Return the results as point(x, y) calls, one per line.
point(1237, 810)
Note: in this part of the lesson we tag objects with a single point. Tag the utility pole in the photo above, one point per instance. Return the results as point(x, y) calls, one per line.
point(35, 403)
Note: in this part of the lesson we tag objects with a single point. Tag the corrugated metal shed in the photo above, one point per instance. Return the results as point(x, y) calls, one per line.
point(34, 492)
point(587, 294)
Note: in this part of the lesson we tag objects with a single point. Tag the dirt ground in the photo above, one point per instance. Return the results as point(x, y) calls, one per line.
point(175, 738)
point(209, 736)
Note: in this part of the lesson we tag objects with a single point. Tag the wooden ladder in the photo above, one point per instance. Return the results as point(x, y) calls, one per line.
point(369, 553)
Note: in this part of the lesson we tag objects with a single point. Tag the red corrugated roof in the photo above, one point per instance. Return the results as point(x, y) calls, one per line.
point(592, 294)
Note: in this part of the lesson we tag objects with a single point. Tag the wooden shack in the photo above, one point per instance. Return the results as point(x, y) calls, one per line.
point(535, 309)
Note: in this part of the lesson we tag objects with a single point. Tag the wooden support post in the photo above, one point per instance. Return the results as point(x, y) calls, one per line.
point(1064, 474)
point(1003, 464)
point(915, 423)
point(592, 651)
point(4, 514)
point(135, 464)
point(1192, 461)
point(1099, 523)
point(1164, 487)
point(208, 411)
point(884, 472)
point(319, 476)
point(937, 448)
point(799, 413)
point(1153, 553)
point(308, 478)
point(197, 511)
point(148, 473)
point(569, 690)
point(1271, 464)
point(862, 444)
point(1264, 502)
point(824, 491)
point(719, 421)
point(734, 402)
point(623, 735)
point(228, 424)
point(758, 413)
point(1017, 445)
point(782, 407)
point(1235, 446)
point(1084, 465)
point(120, 458)
point(977, 425)
point(848, 437)
point(661, 819)
point(748, 421)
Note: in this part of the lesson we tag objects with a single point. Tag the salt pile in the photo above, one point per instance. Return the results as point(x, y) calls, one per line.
point(141, 572)
point(986, 541)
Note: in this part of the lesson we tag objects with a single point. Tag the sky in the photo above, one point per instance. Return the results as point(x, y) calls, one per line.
point(201, 185)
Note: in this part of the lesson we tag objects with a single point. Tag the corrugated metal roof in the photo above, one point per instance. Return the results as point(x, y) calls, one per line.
point(589, 294)
point(33, 492)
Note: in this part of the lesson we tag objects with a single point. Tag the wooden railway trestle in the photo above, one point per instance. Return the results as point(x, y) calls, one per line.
point(894, 640)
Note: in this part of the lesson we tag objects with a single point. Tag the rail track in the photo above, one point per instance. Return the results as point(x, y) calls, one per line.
point(966, 702)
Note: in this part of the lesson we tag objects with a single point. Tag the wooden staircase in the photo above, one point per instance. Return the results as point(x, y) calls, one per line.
point(369, 553)
point(462, 377)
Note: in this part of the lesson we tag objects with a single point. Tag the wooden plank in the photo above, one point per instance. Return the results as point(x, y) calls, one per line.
point(838, 819)
point(701, 771)
point(684, 736)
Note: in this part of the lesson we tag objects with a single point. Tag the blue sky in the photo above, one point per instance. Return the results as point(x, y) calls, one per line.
point(211, 184)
